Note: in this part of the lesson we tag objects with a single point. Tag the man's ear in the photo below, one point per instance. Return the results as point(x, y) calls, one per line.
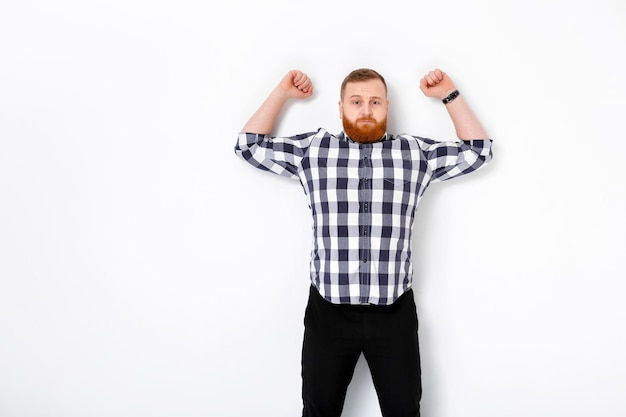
point(340, 109)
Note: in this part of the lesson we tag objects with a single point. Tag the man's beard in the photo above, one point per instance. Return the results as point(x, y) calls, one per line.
point(365, 134)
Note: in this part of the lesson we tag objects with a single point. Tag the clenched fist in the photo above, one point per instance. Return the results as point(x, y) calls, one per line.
point(437, 84)
point(296, 84)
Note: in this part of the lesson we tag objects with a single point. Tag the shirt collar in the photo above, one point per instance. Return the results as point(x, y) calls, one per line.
point(347, 138)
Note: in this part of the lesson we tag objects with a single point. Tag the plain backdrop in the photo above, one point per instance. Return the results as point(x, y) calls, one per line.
point(146, 271)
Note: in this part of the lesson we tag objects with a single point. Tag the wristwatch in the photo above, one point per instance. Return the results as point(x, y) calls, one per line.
point(451, 97)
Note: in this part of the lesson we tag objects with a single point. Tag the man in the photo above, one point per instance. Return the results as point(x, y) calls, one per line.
point(363, 186)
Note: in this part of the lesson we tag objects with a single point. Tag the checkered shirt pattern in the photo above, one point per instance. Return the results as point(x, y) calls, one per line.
point(363, 199)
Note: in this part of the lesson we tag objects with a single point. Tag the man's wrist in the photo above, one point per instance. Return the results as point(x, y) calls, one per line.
point(450, 97)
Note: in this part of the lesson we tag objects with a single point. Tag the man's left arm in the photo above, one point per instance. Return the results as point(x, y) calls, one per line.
point(437, 84)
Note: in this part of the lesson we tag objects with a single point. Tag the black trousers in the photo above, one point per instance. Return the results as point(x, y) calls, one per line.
point(334, 338)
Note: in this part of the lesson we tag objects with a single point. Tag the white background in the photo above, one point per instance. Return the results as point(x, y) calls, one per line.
point(146, 271)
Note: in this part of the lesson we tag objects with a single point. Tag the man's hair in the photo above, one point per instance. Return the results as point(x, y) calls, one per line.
point(361, 74)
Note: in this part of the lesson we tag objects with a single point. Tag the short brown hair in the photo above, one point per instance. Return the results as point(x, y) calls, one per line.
point(361, 74)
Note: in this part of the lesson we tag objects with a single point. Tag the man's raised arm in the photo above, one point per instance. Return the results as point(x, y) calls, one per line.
point(437, 84)
point(295, 84)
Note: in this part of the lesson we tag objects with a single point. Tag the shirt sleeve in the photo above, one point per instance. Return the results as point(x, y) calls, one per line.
point(280, 155)
point(447, 160)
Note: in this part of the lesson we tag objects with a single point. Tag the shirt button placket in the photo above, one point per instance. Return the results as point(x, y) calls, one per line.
point(365, 221)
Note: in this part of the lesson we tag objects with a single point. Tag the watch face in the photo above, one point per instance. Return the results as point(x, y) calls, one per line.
point(451, 97)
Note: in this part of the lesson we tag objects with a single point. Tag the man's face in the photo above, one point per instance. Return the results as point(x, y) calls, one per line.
point(363, 110)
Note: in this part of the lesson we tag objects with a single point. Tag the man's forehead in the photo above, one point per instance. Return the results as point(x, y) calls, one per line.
point(369, 88)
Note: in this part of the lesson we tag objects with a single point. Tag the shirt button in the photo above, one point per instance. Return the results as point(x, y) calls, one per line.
point(365, 261)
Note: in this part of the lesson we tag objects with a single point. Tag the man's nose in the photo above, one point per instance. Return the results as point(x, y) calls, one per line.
point(367, 109)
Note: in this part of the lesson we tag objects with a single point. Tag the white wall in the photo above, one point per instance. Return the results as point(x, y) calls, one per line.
point(146, 271)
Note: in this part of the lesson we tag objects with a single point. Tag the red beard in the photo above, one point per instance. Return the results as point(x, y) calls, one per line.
point(365, 134)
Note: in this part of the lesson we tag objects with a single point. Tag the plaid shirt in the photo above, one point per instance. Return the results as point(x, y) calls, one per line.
point(363, 199)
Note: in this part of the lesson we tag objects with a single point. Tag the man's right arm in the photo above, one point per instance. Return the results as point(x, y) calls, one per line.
point(295, 84)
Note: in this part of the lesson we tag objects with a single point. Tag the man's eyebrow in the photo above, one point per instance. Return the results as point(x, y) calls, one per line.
point(360, 96)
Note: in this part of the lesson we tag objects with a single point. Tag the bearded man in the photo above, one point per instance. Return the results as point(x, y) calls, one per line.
point(363, 186)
